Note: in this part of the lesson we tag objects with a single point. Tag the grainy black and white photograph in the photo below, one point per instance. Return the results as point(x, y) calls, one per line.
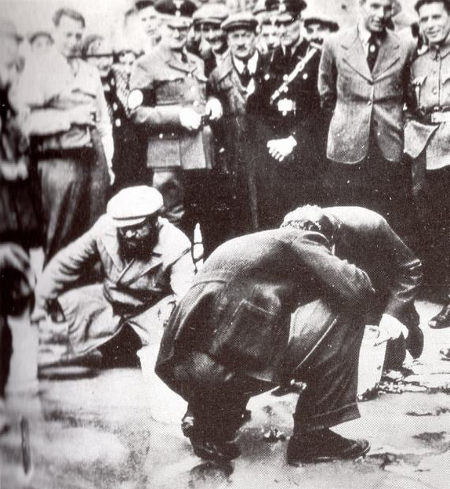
point(224, 244)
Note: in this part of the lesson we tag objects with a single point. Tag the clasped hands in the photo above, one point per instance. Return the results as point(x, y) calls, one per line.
point(281, 148)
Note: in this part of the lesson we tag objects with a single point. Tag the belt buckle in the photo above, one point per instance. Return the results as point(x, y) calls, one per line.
point(286, 105)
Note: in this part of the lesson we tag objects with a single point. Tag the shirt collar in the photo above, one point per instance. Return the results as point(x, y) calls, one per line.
point(443, 49)
point(251, 63)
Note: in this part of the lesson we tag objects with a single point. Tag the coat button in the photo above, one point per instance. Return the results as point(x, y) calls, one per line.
point(369, 102)
point(118, 122)
point(305, 76)
point(161, 135)
point(434, 91)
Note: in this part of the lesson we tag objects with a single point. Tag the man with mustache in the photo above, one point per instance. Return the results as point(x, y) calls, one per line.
point(144, 259)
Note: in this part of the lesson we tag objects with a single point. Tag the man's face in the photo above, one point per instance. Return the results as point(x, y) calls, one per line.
point(434, 21)
point(269, 33)
point(376, 13)
point(148, 18)
point(242, 43)
point(317, 32)
point(41, 44)
point(9, 50)
point(174, 35)
point(288, 31)
point(139, 240)
point(103, 59)
point(214, 35)
point(127, 60)
point(68, 35)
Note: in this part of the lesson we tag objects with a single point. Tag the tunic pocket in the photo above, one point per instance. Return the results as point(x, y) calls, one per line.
point(249, 339)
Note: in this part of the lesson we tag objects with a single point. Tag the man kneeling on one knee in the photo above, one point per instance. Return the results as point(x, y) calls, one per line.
point(145, 263)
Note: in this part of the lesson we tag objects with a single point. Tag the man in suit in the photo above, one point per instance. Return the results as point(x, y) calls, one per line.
point(287, 136)
point(363, 85)
point(146, 265)
point(169, 107)
point(228, 339)
point(232, 83)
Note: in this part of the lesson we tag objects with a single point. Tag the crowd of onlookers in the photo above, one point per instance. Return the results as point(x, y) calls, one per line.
point(236, 118)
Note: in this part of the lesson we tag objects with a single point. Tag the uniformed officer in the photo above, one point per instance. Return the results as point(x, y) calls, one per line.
point(168, 103)
point(287, 138)
point(208, 18)
point(427, 140)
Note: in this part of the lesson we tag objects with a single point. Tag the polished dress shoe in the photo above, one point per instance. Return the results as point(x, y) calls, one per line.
point(216, 450)
point(442, 319)
point(322, 446)
point(414, 341)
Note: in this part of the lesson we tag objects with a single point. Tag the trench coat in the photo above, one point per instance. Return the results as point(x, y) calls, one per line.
point(239, 307)
point(129, 290)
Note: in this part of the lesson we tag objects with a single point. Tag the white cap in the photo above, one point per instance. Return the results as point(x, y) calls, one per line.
point(133, 205)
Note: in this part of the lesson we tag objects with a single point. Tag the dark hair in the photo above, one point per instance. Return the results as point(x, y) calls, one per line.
point(421, 3)
point(68, 12)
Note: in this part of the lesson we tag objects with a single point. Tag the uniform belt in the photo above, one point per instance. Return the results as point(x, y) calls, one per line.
point(82, 152)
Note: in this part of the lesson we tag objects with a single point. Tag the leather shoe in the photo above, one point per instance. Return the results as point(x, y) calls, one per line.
point(322, 446)
point(414, 341)
point(442, 319)
point(217, 451)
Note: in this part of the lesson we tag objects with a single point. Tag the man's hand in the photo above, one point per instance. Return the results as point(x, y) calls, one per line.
point(83, 115)
point(190, 119)
point(390, 328)
point(214, 109)
point(14, 171)
point(14, 256)
point(281, 148)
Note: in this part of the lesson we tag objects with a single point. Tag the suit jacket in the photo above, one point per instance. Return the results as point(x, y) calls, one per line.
point(364, 238)
point(366, 107)
point(129, 287)
point(167, 85)
point(238, 310)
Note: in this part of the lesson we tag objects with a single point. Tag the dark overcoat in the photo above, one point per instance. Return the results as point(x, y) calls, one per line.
point(238, 310)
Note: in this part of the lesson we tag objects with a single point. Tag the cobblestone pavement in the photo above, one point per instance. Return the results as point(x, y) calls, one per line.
point(109, 429)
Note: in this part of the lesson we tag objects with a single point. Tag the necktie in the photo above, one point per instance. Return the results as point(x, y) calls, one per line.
point(245, 75)
point(373, 52)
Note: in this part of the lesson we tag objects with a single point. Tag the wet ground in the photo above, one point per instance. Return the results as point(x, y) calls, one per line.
point(107, 428)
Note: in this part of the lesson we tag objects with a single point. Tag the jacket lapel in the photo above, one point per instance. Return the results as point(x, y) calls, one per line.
point(225, 68)
point(356, 58)
point(388, 55)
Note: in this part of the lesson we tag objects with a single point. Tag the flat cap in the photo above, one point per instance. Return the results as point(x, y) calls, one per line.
point(133, 204)
point(8, 28)
point(240, 20)
point(211, 13)
point(41, 32)
point(292, 8)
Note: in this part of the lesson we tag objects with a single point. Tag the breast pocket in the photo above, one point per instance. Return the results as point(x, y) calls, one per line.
point(250, 337)
point(169, 91)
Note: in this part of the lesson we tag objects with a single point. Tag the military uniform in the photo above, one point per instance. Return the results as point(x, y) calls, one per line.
point(164, 83)
point(427, 141)
point(293, 111)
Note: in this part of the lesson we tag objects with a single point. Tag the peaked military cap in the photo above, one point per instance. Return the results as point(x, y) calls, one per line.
point(292, 8)
point(142, 4)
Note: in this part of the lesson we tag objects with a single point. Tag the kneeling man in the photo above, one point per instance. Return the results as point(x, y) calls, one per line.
point(143, 258)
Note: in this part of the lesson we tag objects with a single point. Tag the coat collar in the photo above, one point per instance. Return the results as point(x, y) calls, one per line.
point(227, 66)
point(388, 55)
